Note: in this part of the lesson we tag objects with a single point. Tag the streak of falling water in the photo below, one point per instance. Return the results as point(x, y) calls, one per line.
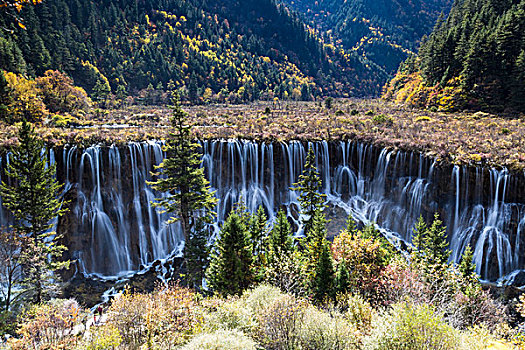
point(118, 230)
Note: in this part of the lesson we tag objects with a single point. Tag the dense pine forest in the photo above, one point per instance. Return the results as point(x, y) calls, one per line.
point(474, 59)
point(210, 50)
point(222, 175)
point(385, 32)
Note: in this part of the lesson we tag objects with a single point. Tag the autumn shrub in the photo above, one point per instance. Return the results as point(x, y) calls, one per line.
point(357, 311)
point(167, 317)
point(231, 314)
point(284, 272)
point(221, 340)
point(365, 259)
point(475, 307)
point(49, 325)
point(399, 281)
point(24, 100)
point(242, 312)
point(279, 322)
point(104, 337)
point(407, 326)
point(59, 93)
point(321, 330)
point(476, 338)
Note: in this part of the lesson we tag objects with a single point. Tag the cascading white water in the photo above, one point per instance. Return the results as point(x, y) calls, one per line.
point(114, 228)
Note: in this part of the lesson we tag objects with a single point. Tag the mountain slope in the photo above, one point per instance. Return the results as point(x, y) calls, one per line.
point(383, 31)
point(474, 59)
point(229, 50)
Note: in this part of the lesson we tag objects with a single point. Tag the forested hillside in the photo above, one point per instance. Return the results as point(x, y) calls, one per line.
point(383, 31)
point(475, 59)
point(210, 50)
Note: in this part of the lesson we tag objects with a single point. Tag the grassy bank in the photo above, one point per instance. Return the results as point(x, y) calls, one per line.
point(460, 138)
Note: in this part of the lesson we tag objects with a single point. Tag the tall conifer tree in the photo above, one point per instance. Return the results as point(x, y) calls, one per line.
point(309, 186)
point(189, 198)
point(32, 195)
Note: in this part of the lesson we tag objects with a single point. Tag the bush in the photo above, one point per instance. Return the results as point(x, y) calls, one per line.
point(232, 314)
point(49, 325)
point(105, 337)
point(241, 313)
point(280, 321)
point(167, 317)
point(365, 259)
point(322, 331)
point(221, 340)
point(412, 327)
point(357, 311)
point(382, 119)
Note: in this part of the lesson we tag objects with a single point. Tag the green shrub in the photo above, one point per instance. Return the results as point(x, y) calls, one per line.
point(412, 327)
point(221, 340)
point(105, 337)
point(232, 314)
point(370, 113)
point(241, 313)
point(357, 311)
point(382, 119)
point(354, 112)
point(339, 112)
point(321, 331)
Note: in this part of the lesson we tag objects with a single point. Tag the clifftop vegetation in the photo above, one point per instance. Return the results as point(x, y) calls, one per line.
point(462, 138)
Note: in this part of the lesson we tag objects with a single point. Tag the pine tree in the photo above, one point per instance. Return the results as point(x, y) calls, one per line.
point(189, 197)
point(280, 241)
point(231, 266)
point(418, 235)
point(196, 253)
point(419, 231)
point(258, 236)
point(309, 186)
point(435, 243)
point(322, 285)
point(342, 277)
point(319, 266)
point(467, 270)
point(351, 226)
point(32, 197)
point(181, 176)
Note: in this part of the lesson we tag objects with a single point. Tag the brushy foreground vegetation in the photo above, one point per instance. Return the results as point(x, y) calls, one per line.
point(478, 138)
point(174, 317)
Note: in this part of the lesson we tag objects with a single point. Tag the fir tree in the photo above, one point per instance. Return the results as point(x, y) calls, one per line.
point(181, 176)
point(196, 253)
point(231, 266)
point(322, 285)
point(467, 270)
point(32, 197)
point(189, 197)
point(280, 241)
point(342, 277)
point(309, 186)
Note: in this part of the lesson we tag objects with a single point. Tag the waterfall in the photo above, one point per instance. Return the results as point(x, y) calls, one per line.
point(113, 229)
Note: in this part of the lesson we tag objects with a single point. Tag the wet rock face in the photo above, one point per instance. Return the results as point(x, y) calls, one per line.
point(89, 291)
point(112, 228)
